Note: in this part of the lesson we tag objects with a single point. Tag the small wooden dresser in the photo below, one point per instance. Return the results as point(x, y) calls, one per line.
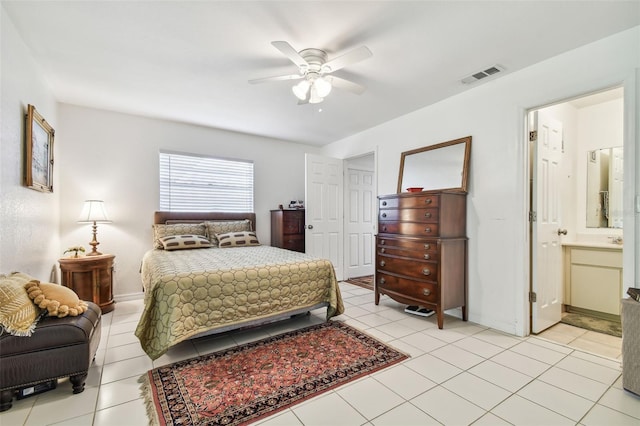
point(287, 229)
point(91, 277)
point(421, 255)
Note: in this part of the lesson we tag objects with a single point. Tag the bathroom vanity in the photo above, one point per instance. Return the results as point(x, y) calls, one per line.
point(593, 279)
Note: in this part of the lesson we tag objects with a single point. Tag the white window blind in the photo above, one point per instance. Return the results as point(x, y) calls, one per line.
point(199, 183)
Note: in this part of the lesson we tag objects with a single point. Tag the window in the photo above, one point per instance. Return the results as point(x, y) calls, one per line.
point(190, 182)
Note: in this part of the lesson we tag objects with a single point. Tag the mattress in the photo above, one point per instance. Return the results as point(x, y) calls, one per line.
point(189, 292)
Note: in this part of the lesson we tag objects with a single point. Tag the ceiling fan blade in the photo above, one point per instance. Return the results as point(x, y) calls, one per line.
point(276, 78)
point(353, 56)
point(290, 53)
point(347, 85)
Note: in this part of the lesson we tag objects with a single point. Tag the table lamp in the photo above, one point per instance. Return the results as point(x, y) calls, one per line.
point(94, 211)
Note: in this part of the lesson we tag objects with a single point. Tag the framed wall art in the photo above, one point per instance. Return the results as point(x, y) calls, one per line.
point(39, 152)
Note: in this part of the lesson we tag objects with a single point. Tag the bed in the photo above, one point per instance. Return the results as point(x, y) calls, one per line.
point(234, 283)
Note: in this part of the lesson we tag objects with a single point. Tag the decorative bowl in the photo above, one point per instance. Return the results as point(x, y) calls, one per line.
point(415, 189)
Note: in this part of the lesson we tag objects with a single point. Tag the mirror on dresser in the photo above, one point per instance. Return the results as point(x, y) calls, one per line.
point(443, 166)
point(604, 188)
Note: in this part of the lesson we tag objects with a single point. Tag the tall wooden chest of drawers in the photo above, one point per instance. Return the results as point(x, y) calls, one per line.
point(421, 253)
point(287, 229)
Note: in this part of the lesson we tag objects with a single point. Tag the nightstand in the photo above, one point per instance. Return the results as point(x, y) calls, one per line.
point(91, 277)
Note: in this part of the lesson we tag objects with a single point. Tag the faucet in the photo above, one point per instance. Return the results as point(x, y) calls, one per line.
point(616, 239)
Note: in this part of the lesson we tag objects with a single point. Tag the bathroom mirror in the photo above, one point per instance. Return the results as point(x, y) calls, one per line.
point(436, 167)
point(604, 188)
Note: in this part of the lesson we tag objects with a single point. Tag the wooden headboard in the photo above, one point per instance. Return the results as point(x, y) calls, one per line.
point(177, 217)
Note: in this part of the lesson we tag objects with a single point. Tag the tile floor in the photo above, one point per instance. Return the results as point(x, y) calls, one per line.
point(464, 374)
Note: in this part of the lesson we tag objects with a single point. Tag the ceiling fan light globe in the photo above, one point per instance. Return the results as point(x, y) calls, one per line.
point(322, 86)
point(301, 89)
point(314, 98)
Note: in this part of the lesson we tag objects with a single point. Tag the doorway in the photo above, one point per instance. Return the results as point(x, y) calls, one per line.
point(587, 224)
point(569, 245)
point(360, 218)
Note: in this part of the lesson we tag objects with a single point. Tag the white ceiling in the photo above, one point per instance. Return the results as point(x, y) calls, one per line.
point(189, 61)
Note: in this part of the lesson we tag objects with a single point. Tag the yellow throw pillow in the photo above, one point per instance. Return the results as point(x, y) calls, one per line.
point(18, 314)
point(58, 300)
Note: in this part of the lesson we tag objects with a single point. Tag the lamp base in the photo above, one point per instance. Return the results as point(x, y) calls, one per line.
point(94, 242)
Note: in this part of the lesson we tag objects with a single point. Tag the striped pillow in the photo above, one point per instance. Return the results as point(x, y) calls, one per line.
point(237, 239)
point(181, 242)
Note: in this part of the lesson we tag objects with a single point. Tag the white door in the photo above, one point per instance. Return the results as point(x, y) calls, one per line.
point(359, 223)
point(547, 278)
point(323, 211)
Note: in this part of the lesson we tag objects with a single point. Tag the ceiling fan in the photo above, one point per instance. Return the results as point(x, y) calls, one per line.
point(314, 69)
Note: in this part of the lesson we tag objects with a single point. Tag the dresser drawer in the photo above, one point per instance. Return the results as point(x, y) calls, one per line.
point(406, 228)
point(419, 290)
point(424, 270)
point(417, 249)
point(414, 254)
point(409, 244)
point(410, 215)
point(292, 227)
point(293, 242)
point(431, 200)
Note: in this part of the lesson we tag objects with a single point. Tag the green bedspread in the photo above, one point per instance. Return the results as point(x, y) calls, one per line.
point(188, 292)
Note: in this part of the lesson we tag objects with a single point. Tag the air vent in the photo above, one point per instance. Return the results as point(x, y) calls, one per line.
point(482, 74)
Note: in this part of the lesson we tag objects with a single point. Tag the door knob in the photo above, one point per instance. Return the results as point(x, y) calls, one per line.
point(562, 232)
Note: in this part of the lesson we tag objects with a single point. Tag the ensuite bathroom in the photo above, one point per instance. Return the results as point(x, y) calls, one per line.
point(590, 193)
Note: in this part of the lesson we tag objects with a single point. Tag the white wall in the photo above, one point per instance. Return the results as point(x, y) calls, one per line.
point(28, 219)
point(114, 157)
point(494, 115)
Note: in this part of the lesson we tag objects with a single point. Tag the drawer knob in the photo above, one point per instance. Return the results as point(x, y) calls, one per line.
point(382, 263)
point(382, 281)
point(427, 256)
point(426, 271)
point(427, 200)
point(383, 250)
point(426, 292)
point(381, 242)
point(384, 203)
point(383, 215)
point(427, 230)
point(427, 246)
point(427, 214)
point(384, 228)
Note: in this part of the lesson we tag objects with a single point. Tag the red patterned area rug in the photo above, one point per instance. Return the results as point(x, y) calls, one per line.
point(243, 384)
point(366, 282)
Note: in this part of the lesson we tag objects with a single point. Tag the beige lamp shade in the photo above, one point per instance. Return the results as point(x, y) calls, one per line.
point(94, 211)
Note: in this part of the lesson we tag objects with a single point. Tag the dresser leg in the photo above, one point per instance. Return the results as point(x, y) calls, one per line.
point(377, 297)
point(464, 313)
point(440, 315)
